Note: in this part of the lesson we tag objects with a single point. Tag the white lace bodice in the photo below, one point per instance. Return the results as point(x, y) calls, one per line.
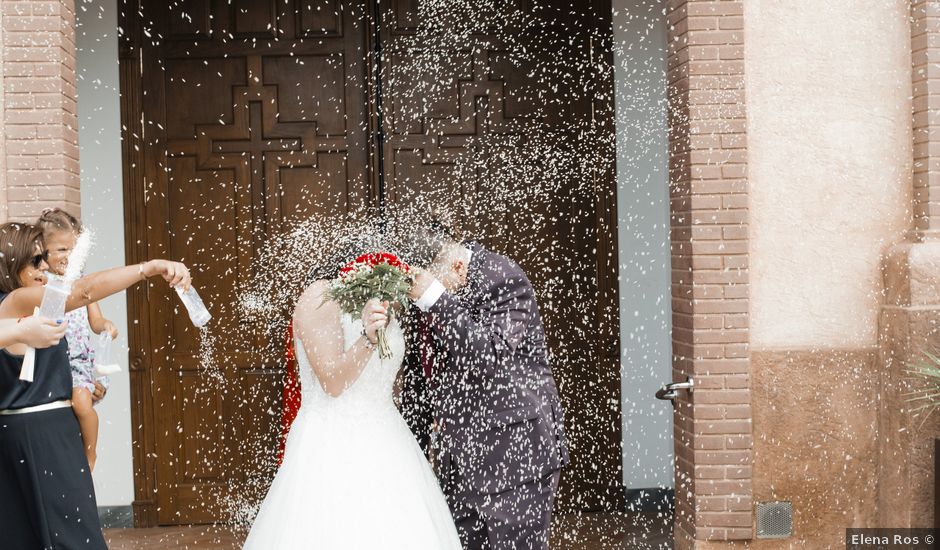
point(371, 391)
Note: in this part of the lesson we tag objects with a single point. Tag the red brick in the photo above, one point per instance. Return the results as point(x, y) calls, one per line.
point(721, 487)
point(720, 336)
point(737, 411)
point(734, 232)
point(707, 533)
point(699, 23)
point(714, 427)
point(741, 290)
point(743, 441)
point(734, 262)
point(719, 186)
point(48, 8)
point(30, 23)
point(711, 504)
point(33, 147)
point(20, 69)
point(740, 534)
point(739, 472)
point(706, 442)
point(709, 472)
point(32, 84)
point(740, 503)
point(736, 350)
point(737, 381)
point(723, 396)
point(714, 37)
point(726, 519)
point(703, 52)
point(720, 306)
point(734, 171)
point(718, 7)
point(723, 457)
point(16, 8)
point(721, 217)
point(731, 22)
point(721, 366)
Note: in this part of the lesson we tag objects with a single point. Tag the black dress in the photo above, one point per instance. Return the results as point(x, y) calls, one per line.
point(47, 498)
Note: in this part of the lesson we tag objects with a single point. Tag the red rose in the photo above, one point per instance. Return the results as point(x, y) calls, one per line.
point(373, 259)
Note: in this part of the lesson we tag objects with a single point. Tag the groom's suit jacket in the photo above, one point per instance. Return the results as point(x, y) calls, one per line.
point(492, 392)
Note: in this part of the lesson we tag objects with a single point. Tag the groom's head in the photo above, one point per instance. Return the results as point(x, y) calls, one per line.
point(436, 248)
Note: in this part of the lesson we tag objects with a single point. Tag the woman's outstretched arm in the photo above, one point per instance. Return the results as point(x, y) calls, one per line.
point(91, 288)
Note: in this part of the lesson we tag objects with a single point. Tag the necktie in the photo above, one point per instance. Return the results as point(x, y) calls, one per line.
point(426, 343)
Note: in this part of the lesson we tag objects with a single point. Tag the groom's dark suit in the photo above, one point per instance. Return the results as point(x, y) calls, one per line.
point(501, 437)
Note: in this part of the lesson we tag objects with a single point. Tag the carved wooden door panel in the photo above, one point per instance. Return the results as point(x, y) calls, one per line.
point(255, 114)
point(505, 115)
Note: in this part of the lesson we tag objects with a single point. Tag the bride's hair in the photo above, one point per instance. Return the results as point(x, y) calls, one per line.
point(346, 249)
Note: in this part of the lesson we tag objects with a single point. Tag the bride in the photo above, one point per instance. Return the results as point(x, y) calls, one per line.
point(353, 476)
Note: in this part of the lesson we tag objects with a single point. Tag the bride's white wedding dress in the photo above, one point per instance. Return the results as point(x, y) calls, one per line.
point(353, 477)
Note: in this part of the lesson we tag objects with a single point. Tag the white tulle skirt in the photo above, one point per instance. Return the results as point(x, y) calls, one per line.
point(353, 482)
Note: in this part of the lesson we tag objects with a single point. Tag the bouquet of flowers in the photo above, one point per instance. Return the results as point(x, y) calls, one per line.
point(377, 275)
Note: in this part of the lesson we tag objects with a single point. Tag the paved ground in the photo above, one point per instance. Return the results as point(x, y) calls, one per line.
point(582, 532)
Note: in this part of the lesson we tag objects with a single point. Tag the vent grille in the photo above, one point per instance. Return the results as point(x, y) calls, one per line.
point(774, 520)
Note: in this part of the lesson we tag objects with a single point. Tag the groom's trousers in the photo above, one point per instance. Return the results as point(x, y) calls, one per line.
point(516, 519)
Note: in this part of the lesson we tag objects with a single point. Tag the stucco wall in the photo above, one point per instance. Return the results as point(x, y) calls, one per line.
point(829, 156)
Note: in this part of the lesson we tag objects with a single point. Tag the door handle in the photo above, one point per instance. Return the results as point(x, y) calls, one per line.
point(669, 392)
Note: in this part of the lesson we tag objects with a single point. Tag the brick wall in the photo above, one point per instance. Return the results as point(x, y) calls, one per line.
point(925, 54)
point(39, 117)
point(708, 186)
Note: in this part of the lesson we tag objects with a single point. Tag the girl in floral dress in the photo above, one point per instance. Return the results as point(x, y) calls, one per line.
point(60, 232)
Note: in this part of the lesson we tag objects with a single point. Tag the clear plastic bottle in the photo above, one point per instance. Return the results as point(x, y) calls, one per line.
point(53, 299)
point(54, 296)
point(104, 364)
point(198, 313)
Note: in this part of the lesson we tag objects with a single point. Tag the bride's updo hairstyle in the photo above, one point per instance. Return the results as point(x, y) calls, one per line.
point(347, 249)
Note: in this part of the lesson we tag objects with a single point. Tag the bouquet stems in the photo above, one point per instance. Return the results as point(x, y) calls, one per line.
point(381, 340)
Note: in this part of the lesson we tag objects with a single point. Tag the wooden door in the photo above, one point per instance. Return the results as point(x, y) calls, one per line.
point(502, 111)
point(243, 115)
point(254, 114)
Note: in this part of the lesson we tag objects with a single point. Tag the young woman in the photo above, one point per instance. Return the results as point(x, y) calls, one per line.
point(45, 482)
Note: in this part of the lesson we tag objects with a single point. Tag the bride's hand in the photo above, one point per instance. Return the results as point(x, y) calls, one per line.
point(374, 318)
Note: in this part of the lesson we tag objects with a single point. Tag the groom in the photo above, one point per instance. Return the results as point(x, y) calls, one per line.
point(479, 370)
